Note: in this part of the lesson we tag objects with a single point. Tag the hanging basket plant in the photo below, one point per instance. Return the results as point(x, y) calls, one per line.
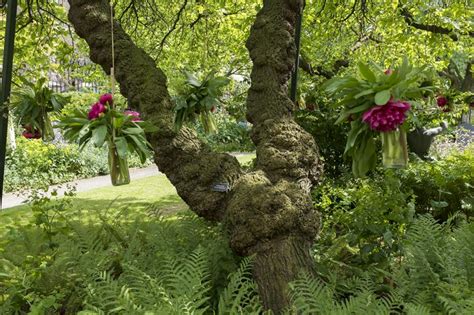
point(199, 100)
point(33, 105)
point(122, 131)
point(376, 103)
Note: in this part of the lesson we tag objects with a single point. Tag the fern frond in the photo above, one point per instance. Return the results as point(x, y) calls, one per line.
point(240, 296)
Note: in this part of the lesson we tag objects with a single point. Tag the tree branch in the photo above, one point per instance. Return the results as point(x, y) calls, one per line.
point(409, 19)
point(189, 164)
point(173, 27)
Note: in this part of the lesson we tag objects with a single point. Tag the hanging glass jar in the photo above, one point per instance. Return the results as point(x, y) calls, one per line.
point(394, 149)
point(48, 132)
point(118, 167)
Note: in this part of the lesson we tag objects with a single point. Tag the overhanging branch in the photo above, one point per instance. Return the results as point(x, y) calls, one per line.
point(410, 20)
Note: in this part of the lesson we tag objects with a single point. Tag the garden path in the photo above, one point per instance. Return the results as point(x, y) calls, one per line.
point(18, 198)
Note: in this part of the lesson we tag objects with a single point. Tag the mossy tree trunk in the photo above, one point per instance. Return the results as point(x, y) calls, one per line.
point(268, 212)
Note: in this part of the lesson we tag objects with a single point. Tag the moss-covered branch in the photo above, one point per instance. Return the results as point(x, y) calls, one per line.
point(188, 163)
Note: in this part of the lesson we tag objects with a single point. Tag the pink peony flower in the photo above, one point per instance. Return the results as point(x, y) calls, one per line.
point(106, 98)
point(96, 110)
point(441, 101)
point(135, 115)
point(386, 117)
point(28, 134)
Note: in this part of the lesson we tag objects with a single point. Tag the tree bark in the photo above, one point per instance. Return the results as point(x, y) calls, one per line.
point(188, 163)
point(269, 211)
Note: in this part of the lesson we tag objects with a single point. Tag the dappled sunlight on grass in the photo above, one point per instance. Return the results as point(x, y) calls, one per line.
point(150, 195)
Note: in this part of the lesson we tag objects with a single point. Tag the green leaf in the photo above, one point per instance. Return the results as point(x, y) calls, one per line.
point(364, 157)
point(357, 129)
point(355, 110)
point(439, 204)
point(98, 135)
point(191, 79)
point(382, 97)
point(366, 72)
point(133, 130)
point(122, 147)
point(363, 93)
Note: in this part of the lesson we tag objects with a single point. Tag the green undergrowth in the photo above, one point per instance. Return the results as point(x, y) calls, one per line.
point(124, 250)
point(119, 263)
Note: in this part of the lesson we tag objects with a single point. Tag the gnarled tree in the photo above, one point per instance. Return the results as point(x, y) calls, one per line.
point(268, 211)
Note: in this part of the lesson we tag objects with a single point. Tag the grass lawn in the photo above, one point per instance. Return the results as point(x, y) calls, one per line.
point(154, 193)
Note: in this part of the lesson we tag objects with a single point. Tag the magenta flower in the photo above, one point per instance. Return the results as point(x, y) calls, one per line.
point(388, 72)
point(96, 110)
point(441, 101)
point(29, 134)
point(135, 115)
point(106, 98)
point(386, 117)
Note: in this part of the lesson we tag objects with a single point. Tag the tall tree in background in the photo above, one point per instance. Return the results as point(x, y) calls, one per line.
point(268, 211)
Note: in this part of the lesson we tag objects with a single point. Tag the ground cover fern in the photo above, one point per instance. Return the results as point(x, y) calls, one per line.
point(121, 264)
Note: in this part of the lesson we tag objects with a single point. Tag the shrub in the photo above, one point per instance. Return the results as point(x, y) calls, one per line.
point(36, 164)
point(442, 187)
point(363, 221)
point(231, 136)
point(330, 138)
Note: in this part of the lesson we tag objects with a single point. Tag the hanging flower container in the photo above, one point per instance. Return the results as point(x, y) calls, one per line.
point(198, 100)
point(124, 133)
point(48, 132)
point(386, 119)
point(33, 105)
point(394, 149)
point(118, 166)
point(375, 104)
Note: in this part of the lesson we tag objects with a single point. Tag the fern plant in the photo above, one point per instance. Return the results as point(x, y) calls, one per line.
point(435, 276)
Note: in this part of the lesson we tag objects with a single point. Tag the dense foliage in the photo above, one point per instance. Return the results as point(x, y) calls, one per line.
point(32, 105)
point(331, 137)
point(376, 254)
point(365, 220)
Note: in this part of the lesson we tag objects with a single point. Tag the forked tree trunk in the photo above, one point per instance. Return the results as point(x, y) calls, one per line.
point(268, 212)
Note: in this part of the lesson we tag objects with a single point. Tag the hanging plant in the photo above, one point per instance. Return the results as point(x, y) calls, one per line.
point(33, 104)
point(122, 131)
point(199, 100)
point(376, 103)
